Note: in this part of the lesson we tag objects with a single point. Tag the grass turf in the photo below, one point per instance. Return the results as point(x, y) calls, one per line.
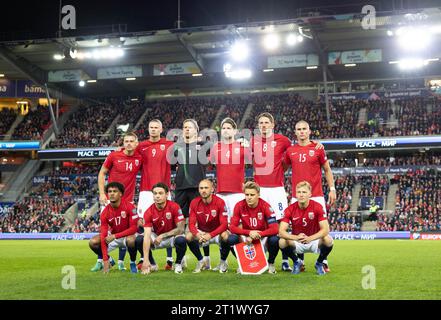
point(405, 269)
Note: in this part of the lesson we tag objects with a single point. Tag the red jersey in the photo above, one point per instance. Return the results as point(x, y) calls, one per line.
point(230, 166)
point(123, 169)
point(121, 222)
point(268, 156)
point(211, 217)
point(306, 163)
point(164, 220)
point(261, 218)
point(155, 167)
point(305, 220)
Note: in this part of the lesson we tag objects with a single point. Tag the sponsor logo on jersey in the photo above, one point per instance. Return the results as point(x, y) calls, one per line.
point(250, 251)
point(311, 215)
point(260, 215)
point(123, 214)
point(162, 147)
point(199, 212)
point(168, 215)
point(311, 153)
point(213, 213)
point(294, 219)
point(119, 161)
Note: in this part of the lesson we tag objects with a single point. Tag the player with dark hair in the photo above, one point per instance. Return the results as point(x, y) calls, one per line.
point(254, 219)
point(307, 162)
point(208, 223)
point(119, 222)
point(164, 227)
point(230, 157)
point(121, 166)
point(310, 229)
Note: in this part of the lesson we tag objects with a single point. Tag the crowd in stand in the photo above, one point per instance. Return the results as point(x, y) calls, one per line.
point(418, 203)
point(32, 215)
point(339, 218)
point(34, 124)
point(374, 186)
point(87, 127)
point(8, 117)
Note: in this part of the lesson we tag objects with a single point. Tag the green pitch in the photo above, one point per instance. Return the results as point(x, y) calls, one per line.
point(403, 269)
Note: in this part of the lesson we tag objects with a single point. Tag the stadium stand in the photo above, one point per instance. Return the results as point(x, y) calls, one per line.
point(33, 125)
point(8, 117)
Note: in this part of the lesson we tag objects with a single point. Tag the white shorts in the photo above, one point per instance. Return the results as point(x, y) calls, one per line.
point(312, 247)
point(166, 243)
point(231, 199)
point(117, 243)
point(320, 200)
point(145, 201)
point(276, 197)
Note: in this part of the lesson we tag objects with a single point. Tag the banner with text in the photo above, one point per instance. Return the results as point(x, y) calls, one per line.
point(74, 154)
point(295, 60)
point(27, 89)
point(7, 88)
point(15, 145)
point(175, 69)
point(66, 75)
point(355, 56)
point(119, 72)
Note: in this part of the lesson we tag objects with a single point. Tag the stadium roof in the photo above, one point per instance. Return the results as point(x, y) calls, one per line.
point(208, 48)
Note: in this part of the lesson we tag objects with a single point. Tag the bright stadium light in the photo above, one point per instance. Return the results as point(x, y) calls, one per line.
point(239, 51)
point(98, 54)
point(390, 33)
point(271, 41)
point(411, 64)
point(311, 67)
point(291, 39)
point(236, 73)
point(58, 57)
point(81, 83)
point(300, 38)
point(91, 81)
point(413, 39)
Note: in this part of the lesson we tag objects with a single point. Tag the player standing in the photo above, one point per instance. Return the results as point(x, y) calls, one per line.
point(119, 223)
point(121, 166)
point(254, 219)
point(164, 227)
point(306, 163)
point(190, 156)
point(155, 169)
point(229, 156)
point(208, 223)
point(310, 229)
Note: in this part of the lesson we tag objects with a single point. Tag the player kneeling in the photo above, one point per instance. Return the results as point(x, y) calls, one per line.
point(310, 230)
point(118, 227)
point(164, 227)
point(257, 220)
point(208, 224)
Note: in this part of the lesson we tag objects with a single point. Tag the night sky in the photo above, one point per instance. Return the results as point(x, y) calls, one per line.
point(38, 19)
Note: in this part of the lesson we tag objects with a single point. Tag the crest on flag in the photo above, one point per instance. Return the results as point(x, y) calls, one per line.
point(250, 251)
point(311, 215)
point(168, 215)
point(123, 214)
point(311, 153)
point(162, 147)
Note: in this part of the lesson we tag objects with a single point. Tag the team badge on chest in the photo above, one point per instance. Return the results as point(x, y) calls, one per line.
point(311, 153)
point(213, 213)
point(311, 215)
point(260, 215)
point(162, 147)
point(168, 215)
point(236, 150)
point(123, 214)
point(273, 144)
point(136, 162)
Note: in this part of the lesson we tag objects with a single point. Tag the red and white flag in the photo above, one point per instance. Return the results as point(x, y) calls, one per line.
point(251, 258)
